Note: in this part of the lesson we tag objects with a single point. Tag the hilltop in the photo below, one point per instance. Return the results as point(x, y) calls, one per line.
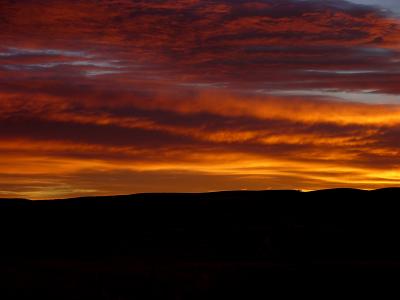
point(197, 246)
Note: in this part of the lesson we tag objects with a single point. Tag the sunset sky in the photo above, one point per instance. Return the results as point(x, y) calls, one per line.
point(101, 97)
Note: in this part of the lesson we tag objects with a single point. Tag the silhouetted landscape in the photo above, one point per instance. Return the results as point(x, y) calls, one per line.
point(244, 245)
point(289, 108)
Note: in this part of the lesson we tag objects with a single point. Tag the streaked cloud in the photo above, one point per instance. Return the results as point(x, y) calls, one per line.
point(105, 97)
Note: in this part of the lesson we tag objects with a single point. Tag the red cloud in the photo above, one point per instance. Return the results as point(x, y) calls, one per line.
point(257, 89)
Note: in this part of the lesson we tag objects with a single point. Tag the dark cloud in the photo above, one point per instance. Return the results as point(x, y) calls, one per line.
point(195, 95)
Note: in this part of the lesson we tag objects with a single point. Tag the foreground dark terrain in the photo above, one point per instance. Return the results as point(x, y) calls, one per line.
point(242, 245)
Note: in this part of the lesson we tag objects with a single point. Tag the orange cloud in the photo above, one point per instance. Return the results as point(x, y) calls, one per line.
point(105, 97)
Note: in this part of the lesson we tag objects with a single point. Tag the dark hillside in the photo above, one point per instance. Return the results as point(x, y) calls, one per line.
point(199, 246)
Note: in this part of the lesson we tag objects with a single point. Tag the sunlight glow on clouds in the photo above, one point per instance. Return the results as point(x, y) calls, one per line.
point(113, 97)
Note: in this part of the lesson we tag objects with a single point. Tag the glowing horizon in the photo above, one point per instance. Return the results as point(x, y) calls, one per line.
point(120, 96)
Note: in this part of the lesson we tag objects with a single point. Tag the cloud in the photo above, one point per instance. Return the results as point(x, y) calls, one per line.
point(243, 93)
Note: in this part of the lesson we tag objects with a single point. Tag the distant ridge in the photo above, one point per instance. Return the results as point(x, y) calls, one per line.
point(229, 192)
point(219, 245)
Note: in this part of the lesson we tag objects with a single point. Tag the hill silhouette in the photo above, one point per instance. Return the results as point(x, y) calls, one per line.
point(240, 244)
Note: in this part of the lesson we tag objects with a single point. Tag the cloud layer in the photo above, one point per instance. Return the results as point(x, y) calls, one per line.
point(105, 97)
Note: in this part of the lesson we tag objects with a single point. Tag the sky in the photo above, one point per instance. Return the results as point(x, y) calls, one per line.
point(102, 97)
